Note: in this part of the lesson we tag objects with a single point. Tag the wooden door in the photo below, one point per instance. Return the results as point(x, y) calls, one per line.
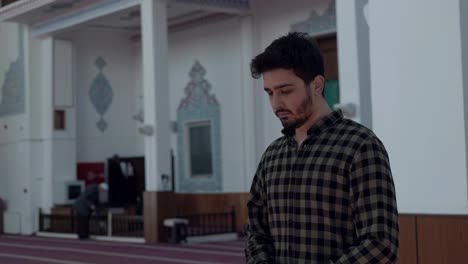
point(328, 48)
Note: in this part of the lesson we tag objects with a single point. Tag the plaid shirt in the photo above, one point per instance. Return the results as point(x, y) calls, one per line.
point(330, 200)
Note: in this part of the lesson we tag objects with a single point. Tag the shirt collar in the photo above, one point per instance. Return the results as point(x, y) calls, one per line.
point(319, 126)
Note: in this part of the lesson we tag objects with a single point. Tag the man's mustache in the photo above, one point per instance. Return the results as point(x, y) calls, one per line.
point(282, 111)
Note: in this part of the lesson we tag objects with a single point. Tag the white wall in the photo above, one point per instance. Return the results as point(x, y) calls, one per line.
point(417, 98)
point(40, 123)
point(353, 58)
point(16, 187)
point(217, 48)
point(121, 136)
point(10, 125)
point(15, 176)
point(64, 141)
point(63, 167)
point(273, 19)
point(137, 67)
point(9, 46)
point(347, 37)
point(464, 51)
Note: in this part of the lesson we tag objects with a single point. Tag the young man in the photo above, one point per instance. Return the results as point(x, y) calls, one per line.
point(323, 192)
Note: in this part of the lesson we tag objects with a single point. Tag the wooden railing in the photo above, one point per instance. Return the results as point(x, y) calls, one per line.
point(210, 223)
point(57, 223)
point(132, 225)
point(127, 225)
point(103, 224)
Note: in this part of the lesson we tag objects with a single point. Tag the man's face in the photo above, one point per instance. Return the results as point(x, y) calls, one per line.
point(290, 98)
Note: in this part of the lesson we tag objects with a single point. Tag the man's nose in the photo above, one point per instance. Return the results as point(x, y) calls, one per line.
point(275, 102)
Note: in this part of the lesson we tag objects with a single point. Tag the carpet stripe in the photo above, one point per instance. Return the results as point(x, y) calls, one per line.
point(180, 247)
point(41, 259)
point(61, 249)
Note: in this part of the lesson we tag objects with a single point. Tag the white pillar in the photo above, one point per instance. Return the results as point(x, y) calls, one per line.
point(353, 54)
point(248, 102)
point(46, 117)
point(155, 91)
point(464, 51)
point(29, 215)
point(418, 103)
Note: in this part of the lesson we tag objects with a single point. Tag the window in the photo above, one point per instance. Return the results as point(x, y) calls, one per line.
point(200, 149)
point(59, 119)
point(199, 166)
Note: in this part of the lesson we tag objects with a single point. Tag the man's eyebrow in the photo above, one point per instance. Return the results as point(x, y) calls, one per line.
point(278, 86)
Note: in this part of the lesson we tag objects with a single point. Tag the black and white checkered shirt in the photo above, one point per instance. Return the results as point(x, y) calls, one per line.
point(330, 200)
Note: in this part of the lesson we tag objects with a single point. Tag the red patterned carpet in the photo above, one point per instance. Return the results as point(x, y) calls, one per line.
point(30, 249)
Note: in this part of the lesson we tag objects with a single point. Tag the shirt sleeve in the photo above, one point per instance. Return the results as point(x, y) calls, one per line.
point(260, 248)
point(374, 207)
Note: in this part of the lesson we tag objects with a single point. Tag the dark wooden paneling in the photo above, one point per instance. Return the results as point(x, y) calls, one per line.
point(166, 209)
point(408, 246)
point(214, 202)
point(442, 239)
point(61, 210)
point(329, 51)
point(157, 207)
point(150, 217)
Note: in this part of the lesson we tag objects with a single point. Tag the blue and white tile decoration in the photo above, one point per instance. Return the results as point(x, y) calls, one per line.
point(198, 105)
point(13, 87)
point(317, 25)
point(101, 94)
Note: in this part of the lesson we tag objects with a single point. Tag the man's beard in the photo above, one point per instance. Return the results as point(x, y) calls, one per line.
point(302, 115)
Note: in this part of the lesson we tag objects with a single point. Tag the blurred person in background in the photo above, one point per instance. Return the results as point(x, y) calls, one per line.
point(85, 205)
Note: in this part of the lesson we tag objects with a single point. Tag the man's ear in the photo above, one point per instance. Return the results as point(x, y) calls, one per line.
point(317, 84)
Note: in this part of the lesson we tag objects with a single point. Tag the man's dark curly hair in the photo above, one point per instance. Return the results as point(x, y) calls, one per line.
point(296, 51)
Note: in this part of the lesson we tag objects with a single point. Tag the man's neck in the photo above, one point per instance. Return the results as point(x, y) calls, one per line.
point(301, 132)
